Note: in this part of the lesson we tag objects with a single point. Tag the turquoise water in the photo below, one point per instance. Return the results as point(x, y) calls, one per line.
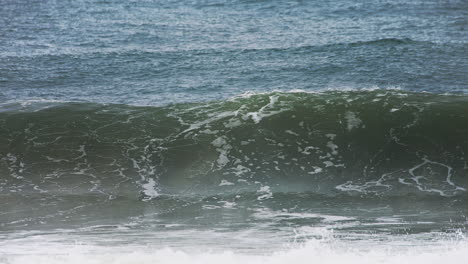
point(233, 131)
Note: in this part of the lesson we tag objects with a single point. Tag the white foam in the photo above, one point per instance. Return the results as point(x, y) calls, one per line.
point(240, 170)
point(292, 133)
point(14, 166)
point(313, 251)
point(225, 182)
point(415, 179)
point(219, 142)
point(149, 189)
point(211, 119)
point(307, 149)
point(265, 192)
point(370, 186)
point(333, 147)
point(265, 111)
point(223, 148)
point(316, 170)
point(233, 123)
point(352, 120)
point(264, 213)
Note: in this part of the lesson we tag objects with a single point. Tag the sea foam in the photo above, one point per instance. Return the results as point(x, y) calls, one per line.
point(311, 252)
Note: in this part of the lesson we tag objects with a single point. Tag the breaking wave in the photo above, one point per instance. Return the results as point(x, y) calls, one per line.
point(381, 142)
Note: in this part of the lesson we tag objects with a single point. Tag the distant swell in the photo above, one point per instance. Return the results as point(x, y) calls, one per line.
point(387, 41)
point(145, 51)
point(330, 143)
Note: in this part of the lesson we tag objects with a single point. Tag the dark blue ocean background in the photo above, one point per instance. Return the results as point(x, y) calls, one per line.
point(161, 52)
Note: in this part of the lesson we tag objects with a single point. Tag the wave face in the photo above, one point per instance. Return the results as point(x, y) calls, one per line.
point(386, 143)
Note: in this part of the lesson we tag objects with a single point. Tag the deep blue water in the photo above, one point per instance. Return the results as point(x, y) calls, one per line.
point(161, 52)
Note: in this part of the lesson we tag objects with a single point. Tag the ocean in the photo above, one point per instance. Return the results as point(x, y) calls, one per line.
point(233, 131)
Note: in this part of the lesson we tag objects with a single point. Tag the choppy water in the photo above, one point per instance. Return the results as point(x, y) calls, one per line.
point(233, 131)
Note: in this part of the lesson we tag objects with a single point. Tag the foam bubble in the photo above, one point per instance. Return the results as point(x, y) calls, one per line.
point(352, 120)
point(149, 189)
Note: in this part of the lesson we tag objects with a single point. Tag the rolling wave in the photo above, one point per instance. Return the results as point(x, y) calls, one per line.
point(378, 142)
